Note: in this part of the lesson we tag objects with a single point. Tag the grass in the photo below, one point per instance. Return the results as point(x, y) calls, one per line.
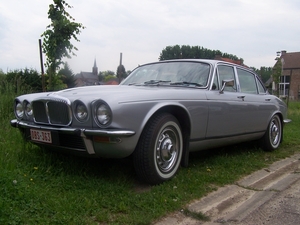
point(44, 187)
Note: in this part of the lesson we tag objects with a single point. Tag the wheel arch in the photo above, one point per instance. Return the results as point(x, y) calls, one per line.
point(184, 120)
point(179, 112)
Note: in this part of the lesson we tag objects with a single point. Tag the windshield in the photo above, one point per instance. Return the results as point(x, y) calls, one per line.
point(170, 73)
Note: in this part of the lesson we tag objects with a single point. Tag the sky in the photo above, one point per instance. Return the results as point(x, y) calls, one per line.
point(140, 29)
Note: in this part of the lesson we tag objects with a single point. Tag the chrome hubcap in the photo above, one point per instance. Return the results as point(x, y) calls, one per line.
point(166, 150)
point(274, 132)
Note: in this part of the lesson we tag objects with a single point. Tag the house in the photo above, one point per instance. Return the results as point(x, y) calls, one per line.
point(87, 78)
point(112, 82)
point(289, 85)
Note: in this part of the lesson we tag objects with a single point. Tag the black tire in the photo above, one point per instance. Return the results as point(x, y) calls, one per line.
point(273, 136)
point(158, 154)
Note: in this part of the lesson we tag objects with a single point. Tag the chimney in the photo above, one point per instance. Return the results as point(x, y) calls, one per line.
point(121, 58)
point(283, 52)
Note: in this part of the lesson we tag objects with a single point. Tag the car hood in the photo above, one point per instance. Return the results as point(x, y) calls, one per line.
point(124, 93)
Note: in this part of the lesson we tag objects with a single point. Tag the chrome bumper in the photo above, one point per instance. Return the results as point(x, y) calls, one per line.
point(82, 132)
point(79, 131)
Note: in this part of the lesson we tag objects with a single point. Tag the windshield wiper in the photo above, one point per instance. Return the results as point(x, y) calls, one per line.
point(156, 81)
point(185, 83)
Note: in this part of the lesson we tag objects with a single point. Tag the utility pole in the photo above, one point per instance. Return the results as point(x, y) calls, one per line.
point(42, 66)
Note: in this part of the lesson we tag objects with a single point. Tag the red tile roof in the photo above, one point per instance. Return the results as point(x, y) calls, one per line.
point(239, 62)
point(291, 60)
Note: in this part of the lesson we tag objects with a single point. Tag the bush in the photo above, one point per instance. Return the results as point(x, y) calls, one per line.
point(24, 81)
point(11, 85)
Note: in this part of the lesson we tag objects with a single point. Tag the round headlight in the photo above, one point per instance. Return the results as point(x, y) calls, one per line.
point(81, 112)
point(28, 109)
point(19, 111)
point(103, 114)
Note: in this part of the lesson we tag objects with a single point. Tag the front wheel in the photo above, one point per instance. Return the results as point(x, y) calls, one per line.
point(158, 154)
point(273, 136)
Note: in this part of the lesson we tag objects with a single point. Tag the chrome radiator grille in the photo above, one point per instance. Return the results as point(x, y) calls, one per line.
point(54, 112)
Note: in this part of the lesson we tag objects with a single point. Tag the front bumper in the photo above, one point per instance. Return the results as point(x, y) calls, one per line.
point(85, 134)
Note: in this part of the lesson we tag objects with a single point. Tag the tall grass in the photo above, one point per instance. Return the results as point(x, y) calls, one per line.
point(291, 130)
point(44, 187)
point(9, 139)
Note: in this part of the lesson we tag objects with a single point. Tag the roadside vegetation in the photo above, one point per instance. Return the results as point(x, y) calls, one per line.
point(44, 187)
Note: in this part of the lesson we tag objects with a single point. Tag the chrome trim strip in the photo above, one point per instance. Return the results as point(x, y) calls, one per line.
point(79, 131)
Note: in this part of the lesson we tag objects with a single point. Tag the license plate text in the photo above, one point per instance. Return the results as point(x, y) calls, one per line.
point(41, 136)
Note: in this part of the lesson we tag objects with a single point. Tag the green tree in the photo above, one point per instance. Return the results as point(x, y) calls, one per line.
point(27, 80)
point(194, 52)
point(121, 73)
point(276, 73)
point(103, 74)
point(56, 44)
point(109, 77)
point(277, 69)
point(67, 76)
point(2, 82)
point(264, 72)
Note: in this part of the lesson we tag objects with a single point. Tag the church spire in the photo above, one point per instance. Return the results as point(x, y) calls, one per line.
point(95, 68)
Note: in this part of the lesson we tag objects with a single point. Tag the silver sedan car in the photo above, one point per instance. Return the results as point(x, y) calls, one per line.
point(158, 114)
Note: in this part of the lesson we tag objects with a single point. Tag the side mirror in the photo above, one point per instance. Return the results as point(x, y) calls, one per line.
point(226, 83)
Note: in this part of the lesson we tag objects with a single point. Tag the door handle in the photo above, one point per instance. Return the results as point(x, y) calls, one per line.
point(242, 97)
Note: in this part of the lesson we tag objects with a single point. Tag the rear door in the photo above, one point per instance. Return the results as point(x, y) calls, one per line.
point(259, 107)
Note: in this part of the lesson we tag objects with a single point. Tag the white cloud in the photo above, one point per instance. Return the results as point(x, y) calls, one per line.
point(251, 29)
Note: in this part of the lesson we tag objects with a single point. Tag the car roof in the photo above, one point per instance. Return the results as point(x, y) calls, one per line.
point(210, 61)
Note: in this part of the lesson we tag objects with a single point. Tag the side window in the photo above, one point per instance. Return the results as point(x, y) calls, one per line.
point(226, 73)
point(261, 87)
point(247, 81)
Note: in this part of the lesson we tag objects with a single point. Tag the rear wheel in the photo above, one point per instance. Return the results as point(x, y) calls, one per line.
point(273, 136)
point(159, 151)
